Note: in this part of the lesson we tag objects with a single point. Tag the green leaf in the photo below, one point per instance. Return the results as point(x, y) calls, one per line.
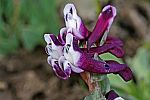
point(140, 90)
point(32, 37)
point(105, 85)
point(27, 21)
point(7, 8)
point(42, 12)
point(109, 56)
point(103, 82)
point(9, 45)
point(140, 64)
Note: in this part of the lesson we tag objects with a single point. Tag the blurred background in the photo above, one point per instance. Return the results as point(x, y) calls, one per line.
point(24, 72)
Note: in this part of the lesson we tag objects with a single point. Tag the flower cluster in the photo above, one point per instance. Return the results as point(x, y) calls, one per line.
point(74, 48)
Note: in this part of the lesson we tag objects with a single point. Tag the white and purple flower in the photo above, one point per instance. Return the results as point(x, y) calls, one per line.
point(67, 56)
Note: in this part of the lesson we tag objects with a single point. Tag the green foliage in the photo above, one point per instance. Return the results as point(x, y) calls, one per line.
point(23, 22)
point(138, 90)
point(140, 65)
point(95, 95)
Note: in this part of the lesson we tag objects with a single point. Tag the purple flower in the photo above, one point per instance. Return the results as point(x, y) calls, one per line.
point(67, 54)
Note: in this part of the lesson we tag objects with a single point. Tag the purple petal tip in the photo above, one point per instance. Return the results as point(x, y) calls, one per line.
point(111, 95)
point(103, 24)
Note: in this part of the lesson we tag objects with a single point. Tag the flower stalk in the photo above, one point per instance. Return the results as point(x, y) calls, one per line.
point(98, 85)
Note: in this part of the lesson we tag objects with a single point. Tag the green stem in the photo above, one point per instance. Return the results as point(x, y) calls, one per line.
point(100, 85)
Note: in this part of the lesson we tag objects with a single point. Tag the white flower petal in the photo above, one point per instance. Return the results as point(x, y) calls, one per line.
point(76, 69)
point(71, 55)
point(70, 8)
point(47, 38)
point(49, 58)
point(118, 98)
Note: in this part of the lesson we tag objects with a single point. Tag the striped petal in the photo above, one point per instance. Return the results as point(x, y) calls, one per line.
point(117, 51)
point(87, 63)
point(70, 54)
point(54, 48)
point(65, 64)
point(112, 40)
point(62, 35)
point(73, 21)
point(112, 48)
point(100, 67)
point(59, 71)
point(103, 25)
